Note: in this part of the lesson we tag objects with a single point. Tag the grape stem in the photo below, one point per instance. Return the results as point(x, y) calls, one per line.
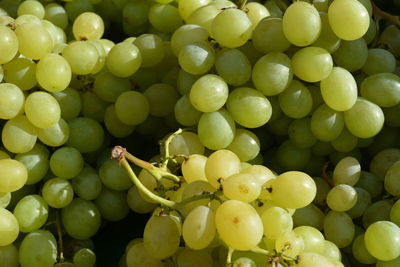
point(229, 257)
point(60, 237)
point(325, 175)
point(380, 14)
point(165, 148)
point(261, 251)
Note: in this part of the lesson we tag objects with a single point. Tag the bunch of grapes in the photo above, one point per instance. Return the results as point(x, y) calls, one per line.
point(279, 126)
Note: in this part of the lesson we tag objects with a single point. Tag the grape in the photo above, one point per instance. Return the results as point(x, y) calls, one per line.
point(9, 256)
point(310, 259)
point(191, 258)
point(112, 204)
point(132, 107)
point(21, 72)
point(8, 44)
point(9, 227)
point(13, 176)
point(19, 135)
point(233, 66)
point(31, 213)
point(87, 184)
point(313, 239)
point(379, 61)
point(388, 84)
point(151, 48)
point(57, 192)
point(381, 240)
point(53, 73)
point(345, 142)
point(193, 168)
point(11, 100)
point(238, 225)
point(185, 113)
point(187, 34)
point(377, 211)
point(351, 55)
point(276, 222)
point(114, 176)
point(66, 162)
point(327, 39)
point(383, 160)
point(5, 199)
point(56, 14)
point(81, 56)
point(137, 203)
point(245, 145)
point(347, 171)
point(221, 164)
point(290, 243)
point(392, 263)
point(137, 255)
point(339, 228)
point(162, 98)
point(391, 180)
point(342, 197)
point(310, 215)
point(56, 135)
point(360, 252)
point(363, 202)
point(196, 58)
point(203, 16)
point(241, 186)
point(86, 134)
point(70, 103)
point(292, 157)
point(31, 7)
point(114, 126)
point(38, 248)
point(331, 251)
point(84, 257)
point(34, 41)
point(164, 17)
point(300, 133)
point(88, 26)
point(296, 100)
point(42, 109)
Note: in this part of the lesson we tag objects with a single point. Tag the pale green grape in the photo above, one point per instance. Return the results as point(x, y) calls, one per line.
point(161, 98)
point(56, 135)
point(276, 222)
point(364, 119)
point(21, 72)
point(93, 107)
point(345, 142)
point(341, 197)
point(220, 165)
point(231, 28)
point(268, 36)
point(88, 26)
point(190, 258)
point(66, 162)
point(11, 101)
point(137, 255)
point(31, 7)
point(27, 18)
point(9, 256)
point(349, 19)
point(193, 168)
point(165, 226)
point(204, 16)
point(256, 12)
point(272, 73)
point(185, 113)
point(347, 171)
point(293, 189)
point(36, 162)
point(196, 58)
point(70, 103)
point(310, 215)
point(82, 57)
point(290, 243)
point(57, 192)
point(292, 157)
point(296, 100)
point(56, 14)
point(310, 259)
point(42, 109)
point(87, 184)
point(351, 55)
point(57, 35)
point(327, 39)
point(9, 227)
point(300, 133)
point(84, 257)
point(241, 186)
point(382, 161)
point(34, 41)
point(112, 204)
point(381, 240)
point(326, 123)
point(53, 73)
point(164, 17)
point(198, 229)
point(186, 143)
point(382, 88)
point(363, 202)
point(137, 203)
point(238, 225)
point(19, 134)
point(114, 125)
point(262, 173)
point(38, 248)
point(216, 130)
point(85, 134)
point(31, 213)
point(148, 180)
point(81, 219)
point(331, 251)
point(377, 211)
point(151, 49)
point(313, 239)
point(187, 34)
point(245, 145)
point(301, 23)
point(339, 228)
point(312, 64)
point(8, 44)
point(379, 60)
point(187, 7)
point(233, 66)
point(114, 176)
point(5, 199)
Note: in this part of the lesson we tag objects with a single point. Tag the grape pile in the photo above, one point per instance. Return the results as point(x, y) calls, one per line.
point(278, 120)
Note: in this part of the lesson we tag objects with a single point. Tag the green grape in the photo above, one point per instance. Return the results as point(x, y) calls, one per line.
point(290, 243)
point(57, 34)
point(86, 134)
point(351, 55)
point(193, 168)
point(187, 34)
point(238, 225)
point(345, 142)
point(360, 252)
point(198, 229)
point(34, 41)
point(56, 135)
point(245, 145)
point(113, 124)
point(164, 17)
point(268, 36)
point(296, 100)
point(87, 184)
point(84, 257)
point(53, 73)
point(387, 94)
point(19, 135)
point(262, 173)
point(8, 44)
point(312, 64)
point(395, 213)
point(276, 222)
point(137, 203)
point(391, 118)
point(381, 240)
point(38, 248)
point(293, 189)
point(371, 33)
point(331, 251)
point(148, 180)
point(165, 226)
point(349, 19)
point(377, 211)
point(186, 143)
point(5, 199)
point(9, 256)
point(339, 89)
point(339, 228)
point(27, 18)
point(161, 98)
point(392, 263)
point(36, 162)
point(11, 101)
point(347, 171)
point(31, 7)
point(272, 73)
point(42, 109)
point(292, 157)
point(310, 215)
point(313, 239)
point(301, 23)
point(391, 180)
point(74, 8)
point(112, 204)
point(326, 123)
point(81, 219)
point(203, 16)
point(280, 125)
point(56, 14)
point(242, 186)
point(151, 48)
point(21, 72)
point(31, 213)
point(379, 60)
point(135, 13)
point(88, 26)
point(220, 165)
point(114, 176)
point(327, 39)
point(363, 202)
point(216, 130)
point(390, 37)
point(364, 119)
point(132, 107)
point(196, 58)
point(93, 107)
point(316, 97)
point(310, 259)
point(300, 133)
point(383, 160)
point(14, 175)
point(82, 57)
point(66, 162)
point(70, 103)
point(57, 192)
point(341, 197)
point(233, 66)
point(187, 7)
point(9, 228)
point(137, 255)
point(143, 78)
point(190, 258)
point(185, 113)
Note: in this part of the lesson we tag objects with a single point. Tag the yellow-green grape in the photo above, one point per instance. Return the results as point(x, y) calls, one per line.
point(300, 134)
point(312, 64)
point(347, 171)
point(161, 98)
point(256, 12)
point(114, 126)
point(42, 109)
point(371, 33)
point(11, 101)
point(81, 56)
point(377, 211)
point(86, 134)
point(19, 134)
point(276, 222)
point(262, 173)
point(381, 240)
point(291, 157)
point(238, 225)
point(9, 255)
point(56, 14)
point(186, 143)
point(185, 113)
point(233, 66)
point(310, 215)
point(21, 72)
point(220, 165)
point(387, 94)
point(151, 48)
point(132, 108)
point(196, 58)
point(36, 162)
point(70, 103)
point(101, 60)
point(148, 180)
point(53, 73)
point(345, 142)
point(164, 17)
point(124, 59)
point(57, 34)
point(231, 28)
point(34, 41)
point(13, 175)
point(342, 197)
point(268, 36)
point(31, 7)
point(390, 181)
point(310, 259)
point(196, 188)
point(326, 123)
point(349, 19)
point(188, 257)
point(137, 203)
point(301, 23)
point(290, 243)
point(389, 36)
point(193, 168)
point(187, 7)
point(112, 204)
point(56, 135)
point(9, 227)
point(339, 228)
point(351, 55)
point(187, 34)
point(38, 248)
point(379, 61)
point(293, 189)
point(363, 202)
point(245, 145)
point(272, 73)
point(8, 44)
point(322, 191)
point(327, 39)
point(88, 26)
point(382, 161)
point(31, 212)
point(331, 251)
point(313, 239)
point(26, 18)
point(203, 16)
point(241, 186)
point(198, 229)
point(296, 100)
point(360, 252)
point(5, 198)
point(137, 255)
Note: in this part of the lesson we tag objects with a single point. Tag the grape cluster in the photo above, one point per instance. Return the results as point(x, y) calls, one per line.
point(278, 120)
